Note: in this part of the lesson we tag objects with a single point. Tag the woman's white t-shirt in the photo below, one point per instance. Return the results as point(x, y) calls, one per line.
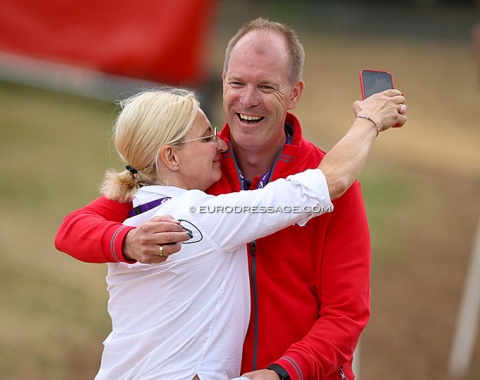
point(188, 315)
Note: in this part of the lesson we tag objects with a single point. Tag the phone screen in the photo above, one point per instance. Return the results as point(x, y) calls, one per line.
point(373, 81)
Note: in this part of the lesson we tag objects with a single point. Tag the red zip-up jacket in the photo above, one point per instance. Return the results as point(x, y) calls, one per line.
point(310, 285)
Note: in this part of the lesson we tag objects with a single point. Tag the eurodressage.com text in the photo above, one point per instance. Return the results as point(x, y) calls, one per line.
point(260, 209)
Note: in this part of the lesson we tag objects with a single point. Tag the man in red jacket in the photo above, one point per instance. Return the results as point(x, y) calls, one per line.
point(309, 285)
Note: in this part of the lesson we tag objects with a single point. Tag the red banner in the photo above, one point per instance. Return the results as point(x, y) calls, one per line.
point(160, 40)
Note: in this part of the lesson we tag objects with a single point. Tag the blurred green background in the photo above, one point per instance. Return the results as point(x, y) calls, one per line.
point(421, 186)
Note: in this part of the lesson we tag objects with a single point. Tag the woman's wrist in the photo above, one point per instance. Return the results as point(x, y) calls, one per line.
point(377, 126)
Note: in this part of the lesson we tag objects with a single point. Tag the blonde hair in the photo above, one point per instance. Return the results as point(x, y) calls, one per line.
point(294, 46)
point(148, 121)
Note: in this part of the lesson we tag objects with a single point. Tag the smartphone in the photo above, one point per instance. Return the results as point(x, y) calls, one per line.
point(373, 81)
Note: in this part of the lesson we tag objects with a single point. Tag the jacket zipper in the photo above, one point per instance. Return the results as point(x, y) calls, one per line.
point(253, 252)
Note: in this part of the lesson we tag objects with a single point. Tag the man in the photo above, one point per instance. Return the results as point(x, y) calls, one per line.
point(310, 285)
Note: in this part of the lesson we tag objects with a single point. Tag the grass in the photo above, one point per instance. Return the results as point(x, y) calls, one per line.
point(53, 152)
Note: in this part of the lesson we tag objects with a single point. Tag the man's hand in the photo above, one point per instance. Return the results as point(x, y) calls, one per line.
point(154, 240)
point(262, 374)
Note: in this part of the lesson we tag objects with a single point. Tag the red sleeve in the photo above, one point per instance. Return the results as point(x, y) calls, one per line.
point(344, 295)
point(95, 233)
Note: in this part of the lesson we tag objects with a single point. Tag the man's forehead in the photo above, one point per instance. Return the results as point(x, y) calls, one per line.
point(257, 37)
point(268, 47)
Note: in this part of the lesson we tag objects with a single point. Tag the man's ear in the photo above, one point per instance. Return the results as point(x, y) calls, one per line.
point(296, 93)
point(168, 156)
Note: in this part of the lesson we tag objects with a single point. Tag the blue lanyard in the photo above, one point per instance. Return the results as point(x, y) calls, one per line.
point(147, 206)
point(266, 177)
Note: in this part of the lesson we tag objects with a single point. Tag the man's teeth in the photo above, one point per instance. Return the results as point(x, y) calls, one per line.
point(250, 118)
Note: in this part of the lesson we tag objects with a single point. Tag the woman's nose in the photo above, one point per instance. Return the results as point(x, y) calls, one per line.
point(221, 145)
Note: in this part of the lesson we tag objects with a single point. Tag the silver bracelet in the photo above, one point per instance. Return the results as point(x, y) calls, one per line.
point(377, 127)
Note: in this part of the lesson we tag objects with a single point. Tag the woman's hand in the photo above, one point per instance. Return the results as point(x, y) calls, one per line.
point(386, 108)
point(154, 240)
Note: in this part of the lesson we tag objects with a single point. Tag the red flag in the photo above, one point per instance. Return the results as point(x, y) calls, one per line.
point(159, 40)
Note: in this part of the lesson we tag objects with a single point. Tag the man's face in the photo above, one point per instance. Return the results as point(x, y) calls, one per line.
point(257, 91)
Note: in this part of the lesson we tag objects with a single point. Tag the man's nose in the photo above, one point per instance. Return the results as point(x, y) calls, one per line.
point(250, 97)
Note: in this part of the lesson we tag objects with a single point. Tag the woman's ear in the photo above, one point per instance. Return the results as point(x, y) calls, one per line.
point(169, 157)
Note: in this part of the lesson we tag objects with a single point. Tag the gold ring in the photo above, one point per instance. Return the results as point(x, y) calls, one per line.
point(161, 250)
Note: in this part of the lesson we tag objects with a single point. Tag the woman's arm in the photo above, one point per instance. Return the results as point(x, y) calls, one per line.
point(343, 163)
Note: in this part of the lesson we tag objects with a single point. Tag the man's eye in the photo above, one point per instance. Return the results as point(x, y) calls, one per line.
point(267, 88)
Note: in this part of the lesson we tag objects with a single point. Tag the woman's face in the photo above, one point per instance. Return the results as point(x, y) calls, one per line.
point(199, 158)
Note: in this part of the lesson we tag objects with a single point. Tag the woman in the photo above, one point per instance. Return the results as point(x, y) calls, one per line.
point(186, 318)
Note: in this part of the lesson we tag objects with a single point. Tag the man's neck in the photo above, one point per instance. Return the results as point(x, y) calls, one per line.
point(254, 163)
